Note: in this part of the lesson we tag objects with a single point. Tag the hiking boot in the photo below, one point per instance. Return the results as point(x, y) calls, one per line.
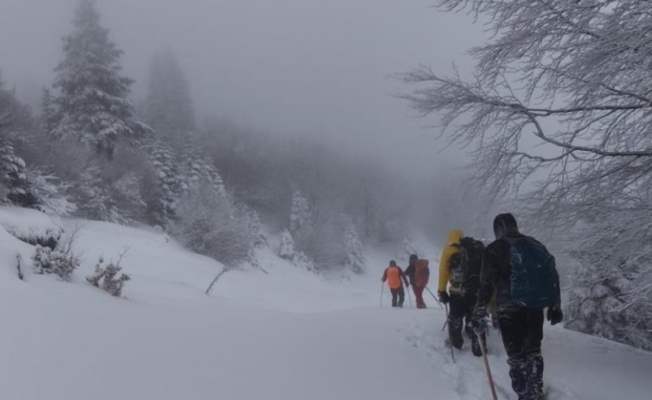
point(457, 341)
point(475, 347)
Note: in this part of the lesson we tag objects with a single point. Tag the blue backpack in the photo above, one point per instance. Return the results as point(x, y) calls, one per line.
point(534, 281)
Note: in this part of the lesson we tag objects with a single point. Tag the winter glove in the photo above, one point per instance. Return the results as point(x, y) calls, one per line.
point(444, 297)
point(407, 285)
point(554, 314)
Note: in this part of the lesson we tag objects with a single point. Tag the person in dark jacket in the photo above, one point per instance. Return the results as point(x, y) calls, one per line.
point(521, 328)
point(418, 271)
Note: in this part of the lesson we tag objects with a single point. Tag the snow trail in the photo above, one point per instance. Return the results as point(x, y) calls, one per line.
point(280, 334)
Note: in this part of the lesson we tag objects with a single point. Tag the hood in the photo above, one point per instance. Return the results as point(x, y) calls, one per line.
point(504, 224)
point(454, 236)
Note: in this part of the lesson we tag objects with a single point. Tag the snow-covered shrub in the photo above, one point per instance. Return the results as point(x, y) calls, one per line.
point(59, 261)
point(109, 278)
point(610, 291)
point(31, 226)
point(47, 191)
point(214, 225)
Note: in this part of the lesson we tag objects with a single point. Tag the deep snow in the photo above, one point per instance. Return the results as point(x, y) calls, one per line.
point(279, 334)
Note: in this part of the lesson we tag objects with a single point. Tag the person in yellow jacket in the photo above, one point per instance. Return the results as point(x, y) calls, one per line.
point(459, 280)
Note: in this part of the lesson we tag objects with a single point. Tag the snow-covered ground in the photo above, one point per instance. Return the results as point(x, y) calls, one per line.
point(280, 333)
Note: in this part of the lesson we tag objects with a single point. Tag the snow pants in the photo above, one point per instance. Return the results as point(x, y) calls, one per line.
point(418, 295)
point(398, 296)
point(461, 312)
point(522, 333)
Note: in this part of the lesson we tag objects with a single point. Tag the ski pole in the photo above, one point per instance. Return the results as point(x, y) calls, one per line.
point(445, 323)
point(382, 288)
point(409, 296)
point(486, 366)
point(434, 297)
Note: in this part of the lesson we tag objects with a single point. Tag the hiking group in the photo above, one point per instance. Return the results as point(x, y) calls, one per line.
point(514, 278)
point(416, 274)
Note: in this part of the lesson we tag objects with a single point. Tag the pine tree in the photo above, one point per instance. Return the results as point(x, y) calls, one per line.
point(197, 169)
point(92, 99)
point(407, 248)
point(286, 250)
point(168, 182)
point(355, 258)
point(169, 106)
point(14, 186)
point(300, 217)
point(50, 116)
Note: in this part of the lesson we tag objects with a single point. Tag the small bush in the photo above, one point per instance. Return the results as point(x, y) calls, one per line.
point(48, 261)
point(214, 225)
point(109, 278)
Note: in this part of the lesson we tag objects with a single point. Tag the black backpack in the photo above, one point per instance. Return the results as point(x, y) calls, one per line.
point(466, 265)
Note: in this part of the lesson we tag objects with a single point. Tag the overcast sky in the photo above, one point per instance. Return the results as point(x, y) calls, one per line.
point(304, 67)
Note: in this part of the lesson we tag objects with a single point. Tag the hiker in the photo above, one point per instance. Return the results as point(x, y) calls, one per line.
point(526, 281)
point(419, 273)
point(459, 271)
point(395, 277)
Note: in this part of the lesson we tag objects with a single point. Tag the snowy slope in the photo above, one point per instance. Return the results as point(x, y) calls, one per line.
point(283, 334)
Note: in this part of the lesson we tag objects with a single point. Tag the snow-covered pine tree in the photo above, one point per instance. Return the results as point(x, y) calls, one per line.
point(300, 217)
point(355, 258)
point(286, 249)
point(256, 227)
point(14, 187)
point(92, 94)
point(162, 205)
point(288, 252)
point(407, 248)
point(197, 169)
point(169, 106)
point(50, 115)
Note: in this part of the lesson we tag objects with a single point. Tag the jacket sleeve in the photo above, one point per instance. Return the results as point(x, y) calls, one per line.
point(488, 275)
point(444, 272)
point(403, 276)
point(409, 271)
point(558, 304)
point(384, 278)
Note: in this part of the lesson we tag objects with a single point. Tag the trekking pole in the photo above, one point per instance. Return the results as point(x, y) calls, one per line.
point(486, 366)
point(434, 297)
point(445, 323)
point(382, 288)
point(409, 296)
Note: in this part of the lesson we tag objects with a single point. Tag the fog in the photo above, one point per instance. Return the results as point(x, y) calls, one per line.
point(300, 67)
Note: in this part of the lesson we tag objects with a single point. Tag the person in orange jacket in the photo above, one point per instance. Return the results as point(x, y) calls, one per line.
point(395, 277)
point(418, 272)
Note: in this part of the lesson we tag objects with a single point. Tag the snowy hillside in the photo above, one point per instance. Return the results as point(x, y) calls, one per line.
point(281, 333)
